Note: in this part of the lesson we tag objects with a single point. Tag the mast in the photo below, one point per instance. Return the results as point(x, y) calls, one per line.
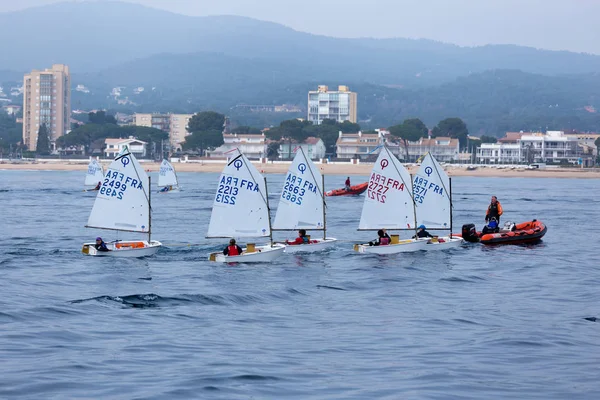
point(412, 197)
point(268, 211)
point(450, 198)
point(149, 209)
point(324, 212)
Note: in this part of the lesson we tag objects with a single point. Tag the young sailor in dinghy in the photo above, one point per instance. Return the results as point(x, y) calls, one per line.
point(383, 239)
point(301, 239)
point(422, 233)
point(98, 186)
point(100, 245)
point(233, 249)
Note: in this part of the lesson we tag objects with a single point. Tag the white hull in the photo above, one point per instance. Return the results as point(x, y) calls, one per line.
point(263, 254)
point(320, 245)
point(404, 246)
point(124, 249)
point(448, 243)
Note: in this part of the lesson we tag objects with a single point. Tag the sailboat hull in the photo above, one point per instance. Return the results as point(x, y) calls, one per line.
point(262, 254)
point(403, 246)
point(314, 246)
point(129, 249)
point(443, 243)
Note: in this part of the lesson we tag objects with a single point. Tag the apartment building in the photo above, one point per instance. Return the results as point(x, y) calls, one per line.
point(340, 105)
point(174, 124)
point(46, 100)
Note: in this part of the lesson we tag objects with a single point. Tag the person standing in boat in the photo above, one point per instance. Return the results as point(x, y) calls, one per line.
point(494, 210)
point(100, 245)
point(347, 184)
point(233, 249)
point(301, 239)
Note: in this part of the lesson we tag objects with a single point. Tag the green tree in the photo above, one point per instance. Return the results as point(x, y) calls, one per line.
point(203, 140)
point(454, 128)
point(488, 139)
point(410, 130)
point(349, 127)
point(43, 141)
point(273, 150)
point(206, 121)
point(100, 117)
point(246, 130)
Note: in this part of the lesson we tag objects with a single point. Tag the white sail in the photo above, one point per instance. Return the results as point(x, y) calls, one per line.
point(301, 201)
point(240, 205)
point(431, 186)
point(388, 201)
point(166, 175)
point(95, 173)
point(122, 201)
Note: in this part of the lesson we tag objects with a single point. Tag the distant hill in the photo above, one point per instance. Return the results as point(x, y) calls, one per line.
point(93, 36)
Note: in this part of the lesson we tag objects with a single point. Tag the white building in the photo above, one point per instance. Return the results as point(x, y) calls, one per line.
point(358, 145)
point(313, 147)
point(340, 105)
point(499, 153)
point(553, 147)
point(253, 146)
point(115, 146)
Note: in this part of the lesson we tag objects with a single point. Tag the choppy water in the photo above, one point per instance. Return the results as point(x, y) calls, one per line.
point(481, 323)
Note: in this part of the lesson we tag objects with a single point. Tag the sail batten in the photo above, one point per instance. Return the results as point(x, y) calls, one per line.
point(432, 197)
point(389, 199)
point(95, 173)
point(122, 201)
point(239, 207)
point(167, 175)
point(301, 201)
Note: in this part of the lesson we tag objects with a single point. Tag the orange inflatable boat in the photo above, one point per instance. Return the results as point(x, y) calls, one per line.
point(354, 190)
point(525, 232)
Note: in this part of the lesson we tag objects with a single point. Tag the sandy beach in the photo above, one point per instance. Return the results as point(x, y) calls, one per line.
point(327, 169)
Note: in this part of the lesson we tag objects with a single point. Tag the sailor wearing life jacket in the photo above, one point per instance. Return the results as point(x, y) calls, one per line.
point(494, 210)
point(383, 239)
point(301, 239)
point(233, 249)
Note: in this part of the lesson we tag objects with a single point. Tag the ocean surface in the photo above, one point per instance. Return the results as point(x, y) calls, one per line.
point(472, 323)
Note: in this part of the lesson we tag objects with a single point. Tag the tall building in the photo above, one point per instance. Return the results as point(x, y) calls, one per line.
point(46, 100)
point(339, 105)
point(174, 124)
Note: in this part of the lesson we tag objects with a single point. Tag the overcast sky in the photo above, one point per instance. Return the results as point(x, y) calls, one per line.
point(550, 24)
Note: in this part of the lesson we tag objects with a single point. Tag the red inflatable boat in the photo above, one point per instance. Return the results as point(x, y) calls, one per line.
point(525, 232)
point(354, 190)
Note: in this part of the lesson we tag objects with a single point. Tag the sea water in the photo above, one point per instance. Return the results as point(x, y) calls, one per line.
point(476, 322)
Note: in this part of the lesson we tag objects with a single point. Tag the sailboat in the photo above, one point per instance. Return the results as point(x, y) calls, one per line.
point(95, 174)
point(167, 178)
point(389, 205)
point(302, 204)
point(123, 204)
point(432, 189)
point(241, 210)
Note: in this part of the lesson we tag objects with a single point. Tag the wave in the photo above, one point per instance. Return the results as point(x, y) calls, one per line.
point(152, 300)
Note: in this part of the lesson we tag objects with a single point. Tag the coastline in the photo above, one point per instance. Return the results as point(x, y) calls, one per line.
point(327, 169)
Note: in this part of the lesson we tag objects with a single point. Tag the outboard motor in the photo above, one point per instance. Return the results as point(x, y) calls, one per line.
point(469, 233)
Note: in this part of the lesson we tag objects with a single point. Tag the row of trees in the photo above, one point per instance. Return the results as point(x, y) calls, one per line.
point(102, 126)
point(206, 131)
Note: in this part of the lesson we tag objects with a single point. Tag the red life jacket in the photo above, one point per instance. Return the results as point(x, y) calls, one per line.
point(384, 241)
point(233, 250)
